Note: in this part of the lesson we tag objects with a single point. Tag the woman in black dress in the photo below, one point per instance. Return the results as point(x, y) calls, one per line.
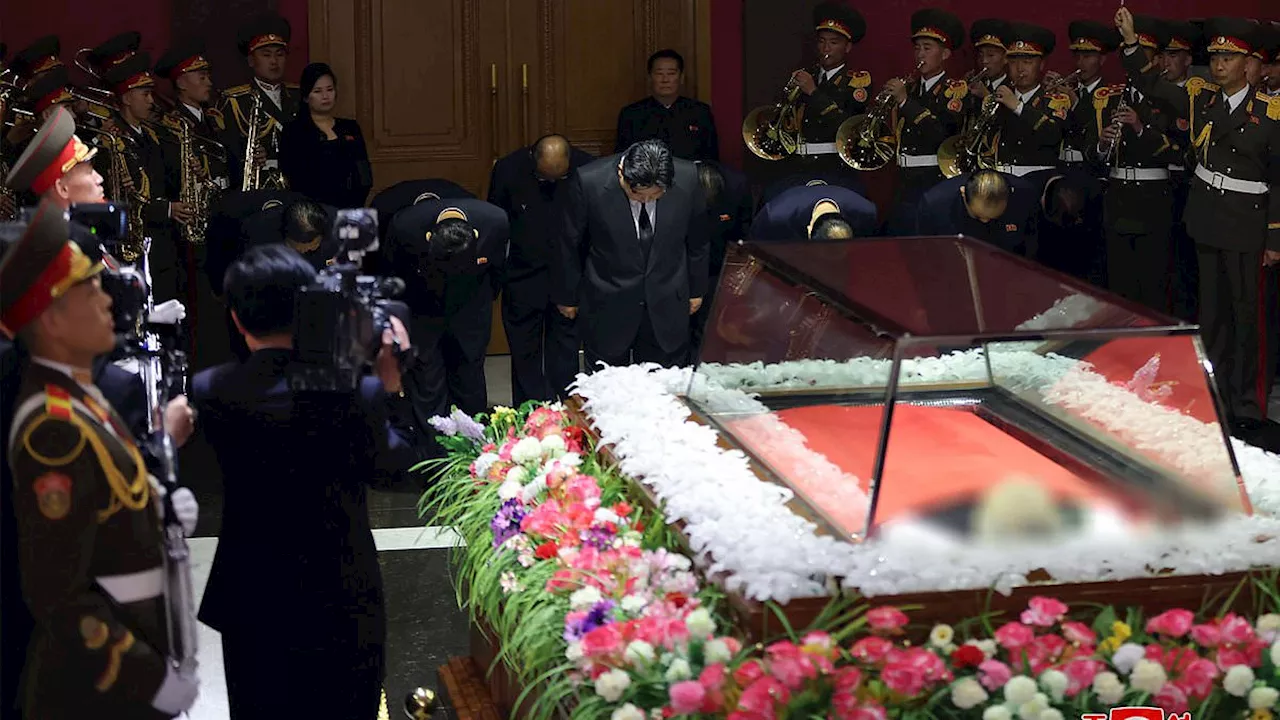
point(324, 156)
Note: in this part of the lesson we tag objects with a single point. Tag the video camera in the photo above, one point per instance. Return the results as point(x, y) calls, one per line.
point(101, 225)
point(341, 315)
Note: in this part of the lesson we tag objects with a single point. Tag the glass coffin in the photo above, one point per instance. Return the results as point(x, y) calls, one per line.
point(942, 387)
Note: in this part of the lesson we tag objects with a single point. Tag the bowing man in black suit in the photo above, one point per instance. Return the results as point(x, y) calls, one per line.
point(790, 216)
point(544, 345)
point(295, 587)
point(986, 205)
point(632, 256)
point(450, 256)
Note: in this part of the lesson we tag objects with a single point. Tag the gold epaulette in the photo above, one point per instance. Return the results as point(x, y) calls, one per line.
point(1196, 84)
point(1106, 91)
point(1059, 103)
point(214, 113)
point(61, 442)
point(237, 90)
point(1273, 104)
point(101, 111)
point(955, 93)
point(858, 78)
point(172, 120)
point(151, 133)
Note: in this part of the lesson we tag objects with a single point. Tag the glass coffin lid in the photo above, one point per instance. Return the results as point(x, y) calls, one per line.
point(941, 386)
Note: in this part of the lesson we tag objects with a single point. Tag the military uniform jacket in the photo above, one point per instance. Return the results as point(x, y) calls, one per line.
point(1132, 205)
point(152, 182)
point(210, 127)
point(832, 102)
point(924, 121)
point(236, 108)
point(1033, 137)
point(1079, 120)
point(91, 554)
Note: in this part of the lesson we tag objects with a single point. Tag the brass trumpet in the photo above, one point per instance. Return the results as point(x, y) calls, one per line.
point(867, 141)
point(975, 76)
point(1063, 81)
point(772, 132)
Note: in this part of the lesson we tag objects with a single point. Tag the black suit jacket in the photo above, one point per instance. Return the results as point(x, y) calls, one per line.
point(600, 267)
point(296, 557)
point(786, 217)
point(334, 172)
point(530, 207)
point(942, 212)
point(687, 127)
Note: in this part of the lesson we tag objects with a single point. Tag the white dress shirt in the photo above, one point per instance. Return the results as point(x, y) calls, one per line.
point(272, 91)
point(652, 206)
point(1024, 98)
point(198, 112)
point(828, 75)
point(999, 81)
point(1233, 101)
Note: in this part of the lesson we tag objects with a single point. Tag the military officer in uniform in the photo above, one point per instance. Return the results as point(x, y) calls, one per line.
point(39, 57)
point(790, 215)
point(986, 205)
point(57, 166)
point(405, 193)
point(1091, 42)
point(929, 109)
point(990, 38)
point(88, 521)
point(100, 59)
point(835, 93)
point(265, 42)
point(684, 124)
point(544, 344)
point(186, 67)
point(42, 95)
point(1231, 215)
point(1175, 63)
point(1033, 119)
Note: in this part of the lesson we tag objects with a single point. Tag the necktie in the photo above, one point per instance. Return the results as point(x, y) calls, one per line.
point(646, 230)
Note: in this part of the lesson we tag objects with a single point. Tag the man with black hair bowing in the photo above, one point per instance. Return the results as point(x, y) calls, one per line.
point(631, 264)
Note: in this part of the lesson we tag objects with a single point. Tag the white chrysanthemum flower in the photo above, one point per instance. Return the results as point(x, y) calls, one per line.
point(639, 651)
point(1238, 680)
point(700, 623)
point(633, 604)
point(968, 693)
point(1108, 688)
point(1148, 676)
point(678, 671)
point(1127, 656)
point(628, 712)
point(510, 490)
point(1263, 698)
point(1032, 710)
point(941, 635)
point(1051, 714)
point(605, 515)
point(484, 462)
point(1268, 623)
point(573, 653)
point(552, 446)
point(518, 475)
point(988, 647)
point(527, 450)
point(1055, 683)
point(1020, 690)
point(612, 684)
point(584, 599)
point(531, 491)
point(997, 712)
point(716, 652)
point(1275, 654)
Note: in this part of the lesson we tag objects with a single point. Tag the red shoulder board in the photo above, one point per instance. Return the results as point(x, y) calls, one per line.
point(57, 402)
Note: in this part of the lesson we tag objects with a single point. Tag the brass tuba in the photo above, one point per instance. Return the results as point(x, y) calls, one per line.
point(974, 148)
point(773, 132)
point(869, 141)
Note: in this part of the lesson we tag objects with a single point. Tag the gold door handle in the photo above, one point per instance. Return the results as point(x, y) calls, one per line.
point(493, 107)
point(524, 100)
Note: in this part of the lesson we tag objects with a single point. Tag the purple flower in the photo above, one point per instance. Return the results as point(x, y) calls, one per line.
point(598, 537)
point(467, 426)
point(578, 624)
point(444, 425)
point(506, 524)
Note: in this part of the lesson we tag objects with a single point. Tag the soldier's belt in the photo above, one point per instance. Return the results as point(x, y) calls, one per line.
point(133, 587)
point(818, 149)
point(1071, 155)
point(1139, 174)
point(1218, 181)
point(1176, 168)
point(1020, 170)
point(912, 161)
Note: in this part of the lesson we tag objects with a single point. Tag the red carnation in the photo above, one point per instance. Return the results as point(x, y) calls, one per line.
point(547, 550)
point(967, 656)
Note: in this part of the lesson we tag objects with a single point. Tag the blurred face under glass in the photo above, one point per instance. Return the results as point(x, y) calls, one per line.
point(323, 96)
point(933, 54)
point(195, 87)
point(269, 62)
point(80, 322)
point(664, 79)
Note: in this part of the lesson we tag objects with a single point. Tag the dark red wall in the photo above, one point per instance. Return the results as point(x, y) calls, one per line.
point(84, 23)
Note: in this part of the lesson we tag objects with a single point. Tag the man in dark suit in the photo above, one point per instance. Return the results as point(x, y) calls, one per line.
point(295, 587)
point(544, 346)
point(728, 200)
point(790, 216)
point(986, 205)
point(632, 256)
point(392, 200)
point(684, 124)
point(450, 254)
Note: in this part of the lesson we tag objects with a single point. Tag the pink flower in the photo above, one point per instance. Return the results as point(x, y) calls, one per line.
point(1171, 699)
point(870, 711)
point(871, 649)
point(1045, 651)
point(926, 661)
point(1172, 623)
point(886, 619)
point(993, 674)
point(748, 672)
point(1078, 634)
point(1206, 635)
point(789, 665)
point(1080, 674)
point(903, 679)
point(601, 642)
point(712, 680)
point(1044, 612)
point(762, 696)
point(817, 642)
point(847, 679)
point(1197, 679)
point(687, 697)
point(1014, 636)
point(1236, 630)
point(1230, 657)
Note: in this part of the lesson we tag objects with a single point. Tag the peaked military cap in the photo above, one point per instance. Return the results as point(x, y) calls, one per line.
point(49, 89)
point(939, 25)
point(263, 31)
point(1268, 42)
point(183, 58)
point(132, 73)
point(114, 50)
point(991, 31)
point(1152, 32)
point(840, 18)
point(1231, 35)
point(1030, 40)
point(1092, 36)
point(50, 155)
point(38, 57)
point(40, 267)
point(1182, 35)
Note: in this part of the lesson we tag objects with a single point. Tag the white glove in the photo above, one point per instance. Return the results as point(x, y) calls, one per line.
point(177, 693)
point(169, 312)
point(184, 505)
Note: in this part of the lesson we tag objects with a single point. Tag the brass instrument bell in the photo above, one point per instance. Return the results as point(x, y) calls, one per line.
point(420, 704)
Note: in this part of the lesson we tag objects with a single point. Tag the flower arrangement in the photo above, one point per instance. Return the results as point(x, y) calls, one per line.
point(597, 608)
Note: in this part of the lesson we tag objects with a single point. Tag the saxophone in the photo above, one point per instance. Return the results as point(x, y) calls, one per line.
point(196, 189)
point(133, 245)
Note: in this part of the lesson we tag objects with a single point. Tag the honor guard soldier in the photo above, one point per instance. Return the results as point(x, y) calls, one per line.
point(990, 38)
point(792, 215)
point(684, 124)
point(56, 166)
point(99, 60)
point(985, 205)
point(39, 57)
point(1091, 42)
point(1231, 215)
point(544, 344)
point(91, 553)
point(450, 255)
point(833, 92)
point(265, 42)
point(1269, 57)
point(1033, 118)
point(930, 109)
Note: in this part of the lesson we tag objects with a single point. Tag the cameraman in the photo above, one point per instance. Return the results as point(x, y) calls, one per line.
point(449, 254)
point(295, 587)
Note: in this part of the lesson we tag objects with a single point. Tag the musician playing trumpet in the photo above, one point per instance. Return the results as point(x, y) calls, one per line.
point(1032, 118)
point(1091, 43)
point(929, 107)
point(990, 38)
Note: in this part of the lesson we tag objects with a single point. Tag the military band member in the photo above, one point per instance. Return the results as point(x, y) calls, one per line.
point(793, 215)
point(930, 109)
point(1267, 52)
point(1231, 215)
point(1175, 56)
point(100, 59)
point(836, 92)
point(43, 96)
point(39, 57)
point(186, 67)
point(1091, 42)
point(990, 38)
point(88, 522)
point(264, 41)
point(1175, 63)
point(1033, 118)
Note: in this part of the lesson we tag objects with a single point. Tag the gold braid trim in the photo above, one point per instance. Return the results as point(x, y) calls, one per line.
point(112, 673)
point(132, 494)
point(45, 459)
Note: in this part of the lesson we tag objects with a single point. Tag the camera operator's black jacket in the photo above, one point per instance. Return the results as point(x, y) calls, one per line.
point(296, 560)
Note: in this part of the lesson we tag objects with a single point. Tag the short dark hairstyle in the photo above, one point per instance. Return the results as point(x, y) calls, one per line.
point(304, 219)
point(988, 186)
point(1064, 202)
point(452, 246)
point(711, 180)
point(666, 53)
point(648, 163)
point(262, 288)
point(831, 226)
